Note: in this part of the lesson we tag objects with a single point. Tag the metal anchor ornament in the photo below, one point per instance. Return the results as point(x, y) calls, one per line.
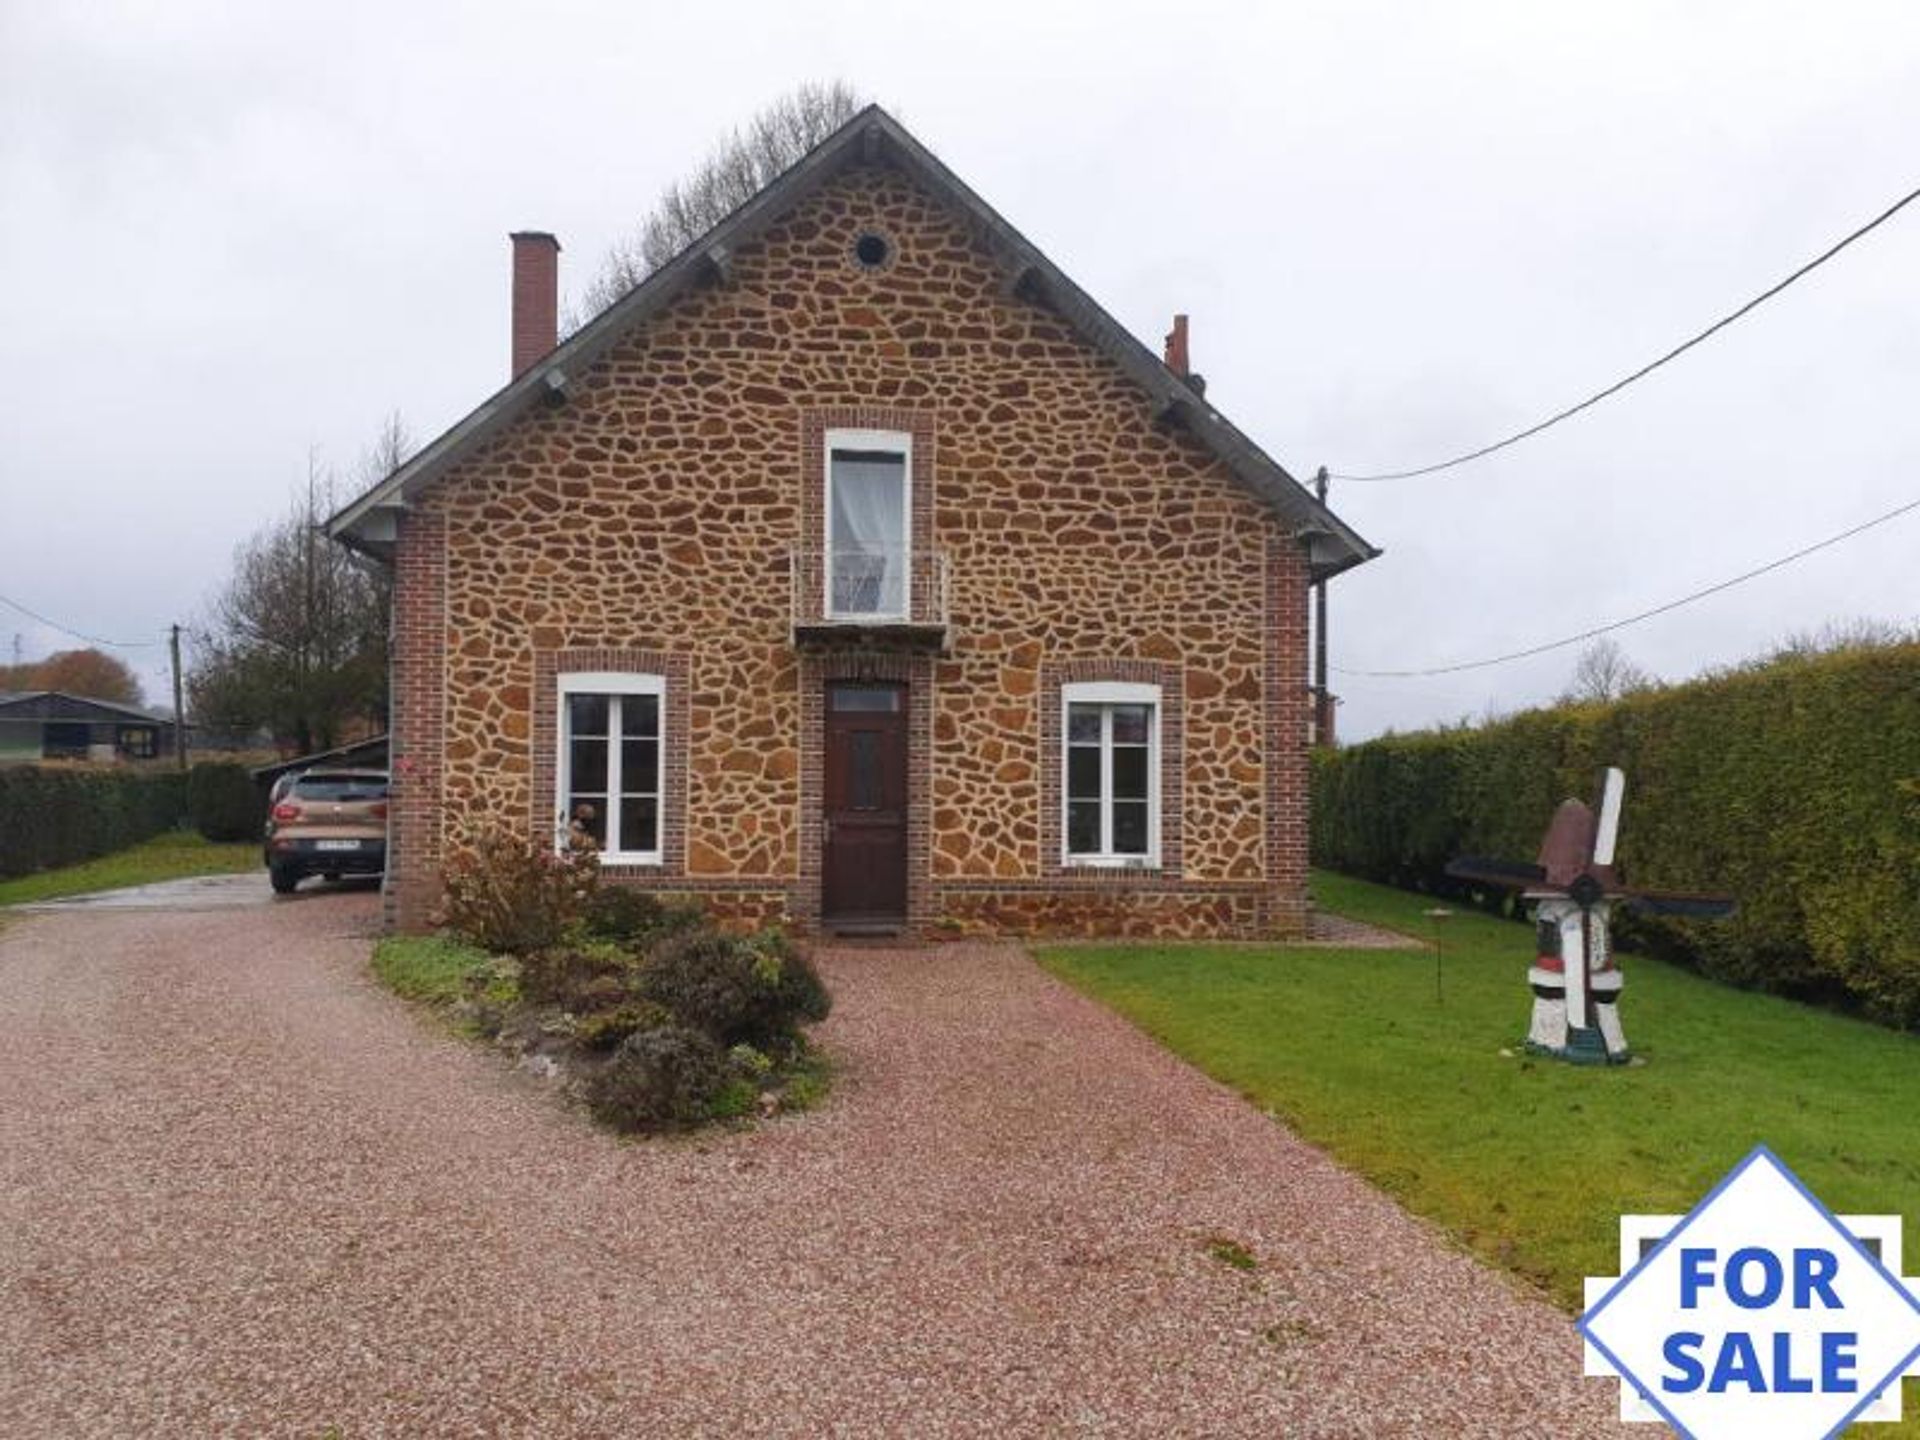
point(1573, 888)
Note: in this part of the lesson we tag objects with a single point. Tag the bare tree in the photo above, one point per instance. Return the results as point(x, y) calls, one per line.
point(1605, 673)
point(299, 635)
point(387, 453)
point(1860, 633)
point(736, 170)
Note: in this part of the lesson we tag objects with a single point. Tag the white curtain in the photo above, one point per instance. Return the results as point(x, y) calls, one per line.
point(867, 542)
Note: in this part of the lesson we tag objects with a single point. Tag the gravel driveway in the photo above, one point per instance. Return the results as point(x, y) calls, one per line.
point(243, 1191)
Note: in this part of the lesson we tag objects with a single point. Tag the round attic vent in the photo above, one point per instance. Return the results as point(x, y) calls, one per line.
point(872, 251)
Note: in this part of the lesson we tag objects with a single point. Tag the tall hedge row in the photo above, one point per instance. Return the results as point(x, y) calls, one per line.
point(225, 803)
point(1796, 786)
point(56, 815)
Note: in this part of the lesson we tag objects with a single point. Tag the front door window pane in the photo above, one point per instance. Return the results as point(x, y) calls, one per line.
point(870, 699)
point(867, 533)
point(863, 770)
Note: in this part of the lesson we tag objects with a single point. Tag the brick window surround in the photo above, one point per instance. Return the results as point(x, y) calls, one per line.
point(814, 425)
point(1054, 677)
point(548, 666)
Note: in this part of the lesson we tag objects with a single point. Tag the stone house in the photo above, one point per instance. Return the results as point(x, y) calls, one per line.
point(857, 569)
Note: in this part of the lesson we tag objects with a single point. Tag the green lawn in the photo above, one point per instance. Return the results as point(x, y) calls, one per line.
point(429, 968)
point(172, 856)
point(1528, 1162)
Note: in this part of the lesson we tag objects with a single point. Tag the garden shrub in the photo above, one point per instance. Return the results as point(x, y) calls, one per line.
point(659, 1079)
point(736, 1097)
point(508, 894)
point(754, 990)
point(492, 994)
point(53, 815)
point(636, 917)
point(604, 1029)
point(579, 974)
point(1794, 785)
point(665, 1022)
point(225, 803)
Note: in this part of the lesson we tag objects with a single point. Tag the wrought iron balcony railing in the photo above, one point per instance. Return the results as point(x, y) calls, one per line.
point(895, 591)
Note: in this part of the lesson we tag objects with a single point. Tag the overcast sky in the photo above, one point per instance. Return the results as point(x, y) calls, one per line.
point(234, 234)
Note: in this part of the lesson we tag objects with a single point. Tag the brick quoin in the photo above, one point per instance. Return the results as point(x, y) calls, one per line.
point(646, 524)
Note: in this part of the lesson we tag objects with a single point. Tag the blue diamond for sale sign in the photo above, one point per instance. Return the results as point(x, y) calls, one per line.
point(1760, 1314)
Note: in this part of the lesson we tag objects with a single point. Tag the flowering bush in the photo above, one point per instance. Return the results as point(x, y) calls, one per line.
point(511, 895)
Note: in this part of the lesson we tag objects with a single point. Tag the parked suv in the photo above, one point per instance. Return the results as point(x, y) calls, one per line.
point(328, 822)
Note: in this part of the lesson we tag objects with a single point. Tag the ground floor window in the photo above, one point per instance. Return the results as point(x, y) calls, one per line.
point(66, 740)
point(612, 729)
point(1111, 769)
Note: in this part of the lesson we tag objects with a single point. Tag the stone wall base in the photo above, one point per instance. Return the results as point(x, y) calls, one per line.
point(1078, 912)
point(1131, 913)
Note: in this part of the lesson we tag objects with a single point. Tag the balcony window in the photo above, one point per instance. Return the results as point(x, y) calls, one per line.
point(869, 509)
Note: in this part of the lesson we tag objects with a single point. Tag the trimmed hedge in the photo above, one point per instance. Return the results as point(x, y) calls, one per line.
point(1794, 785)
point(224, 801)
point(60, 815)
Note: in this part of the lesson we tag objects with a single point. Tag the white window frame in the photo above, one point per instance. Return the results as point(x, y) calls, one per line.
point(1111, 692)
point(898, 442)
point(617, 685)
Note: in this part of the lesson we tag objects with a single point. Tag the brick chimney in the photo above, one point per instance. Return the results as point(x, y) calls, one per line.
point(536, 297)
point(1177, 347)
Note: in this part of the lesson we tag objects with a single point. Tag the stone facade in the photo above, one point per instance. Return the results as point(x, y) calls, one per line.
point(647, 522)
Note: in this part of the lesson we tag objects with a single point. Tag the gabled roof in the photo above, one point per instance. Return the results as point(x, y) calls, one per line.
point(368, 524)
point(46, 705)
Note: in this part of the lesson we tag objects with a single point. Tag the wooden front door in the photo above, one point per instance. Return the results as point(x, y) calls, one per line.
point(864, 877)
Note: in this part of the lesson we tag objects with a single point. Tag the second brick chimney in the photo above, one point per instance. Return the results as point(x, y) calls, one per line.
point(1177, 347)
point(536, 297)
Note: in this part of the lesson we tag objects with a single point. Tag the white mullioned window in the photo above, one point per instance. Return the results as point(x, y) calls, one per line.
point(610, 779)
point(1110, 773)
point(869, 480)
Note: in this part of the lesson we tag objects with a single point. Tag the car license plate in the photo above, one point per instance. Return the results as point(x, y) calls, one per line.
point(336, 844)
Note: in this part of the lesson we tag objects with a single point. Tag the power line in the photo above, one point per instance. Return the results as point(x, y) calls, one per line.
point(1715, 589)
point(78, 634)
point(1650, 367)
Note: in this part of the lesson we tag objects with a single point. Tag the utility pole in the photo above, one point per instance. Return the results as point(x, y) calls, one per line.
point(179, 711)
point(1322, 697)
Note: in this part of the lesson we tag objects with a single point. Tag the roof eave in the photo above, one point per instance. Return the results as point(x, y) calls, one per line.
point(869, 137)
